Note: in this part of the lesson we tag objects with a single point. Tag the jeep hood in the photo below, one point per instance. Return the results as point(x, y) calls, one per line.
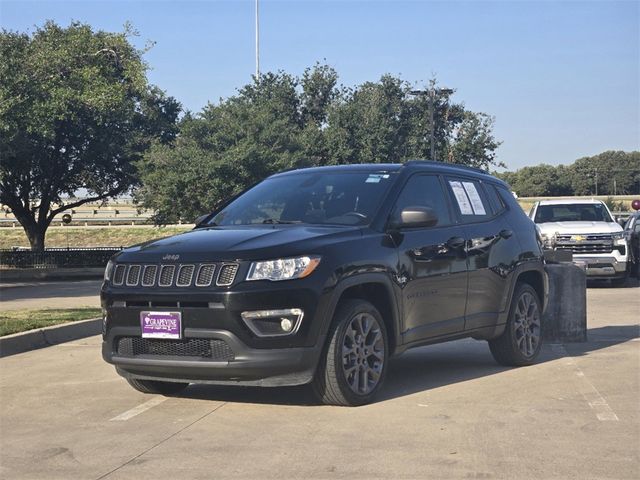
point(238, 243)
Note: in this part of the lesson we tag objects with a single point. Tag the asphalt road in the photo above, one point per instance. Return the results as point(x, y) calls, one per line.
point(447, 411)
point(63, 294)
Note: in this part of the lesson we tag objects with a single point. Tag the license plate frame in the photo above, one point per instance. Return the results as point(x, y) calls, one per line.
point(161, 324)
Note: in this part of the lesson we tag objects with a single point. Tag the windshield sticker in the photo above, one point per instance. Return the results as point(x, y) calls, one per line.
point(375, 178)
point(461, 197)
point(476, 201)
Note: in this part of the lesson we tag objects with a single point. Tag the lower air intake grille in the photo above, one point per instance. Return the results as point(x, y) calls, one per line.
point(211, 349)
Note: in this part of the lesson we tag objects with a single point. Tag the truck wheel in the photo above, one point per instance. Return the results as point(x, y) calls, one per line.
point(619, 282)
point(521, 340)
point(155, 386)
point(354, 362)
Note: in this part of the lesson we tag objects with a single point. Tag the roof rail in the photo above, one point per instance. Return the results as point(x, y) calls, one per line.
point(444, 164)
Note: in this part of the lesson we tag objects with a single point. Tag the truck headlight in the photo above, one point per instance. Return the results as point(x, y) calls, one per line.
point(108, 271)
point(283, 268)
point(619, 238)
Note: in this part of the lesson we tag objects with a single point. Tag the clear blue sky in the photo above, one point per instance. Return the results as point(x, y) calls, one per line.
point(561, 78)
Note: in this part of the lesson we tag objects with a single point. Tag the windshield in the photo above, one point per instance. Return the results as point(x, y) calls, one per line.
point(345, 198)
point(578, 212)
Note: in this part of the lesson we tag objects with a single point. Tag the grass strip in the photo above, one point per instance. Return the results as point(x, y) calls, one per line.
point(121, 236)
point(15, 321)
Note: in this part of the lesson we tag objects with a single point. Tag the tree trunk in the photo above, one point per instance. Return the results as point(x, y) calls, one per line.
point(35, 234)
point(36, 237)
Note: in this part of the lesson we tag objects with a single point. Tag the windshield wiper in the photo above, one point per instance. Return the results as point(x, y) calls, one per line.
point(273, 220)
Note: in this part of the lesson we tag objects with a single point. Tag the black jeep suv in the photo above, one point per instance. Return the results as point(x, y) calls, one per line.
point(321, 275)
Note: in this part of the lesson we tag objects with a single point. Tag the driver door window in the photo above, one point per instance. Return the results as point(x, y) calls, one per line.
point(425, 191)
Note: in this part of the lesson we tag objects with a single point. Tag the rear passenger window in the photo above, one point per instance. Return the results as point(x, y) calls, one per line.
point(425, 191)
point(470, 200)
point(496, 203)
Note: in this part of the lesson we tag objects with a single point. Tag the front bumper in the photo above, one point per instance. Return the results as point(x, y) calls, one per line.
point(215, 316)
point(249, 366)
point(602, 266)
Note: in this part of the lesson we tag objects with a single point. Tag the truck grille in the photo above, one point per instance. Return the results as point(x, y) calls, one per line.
point(199, 275)
point(211, 349)
point(591, 243)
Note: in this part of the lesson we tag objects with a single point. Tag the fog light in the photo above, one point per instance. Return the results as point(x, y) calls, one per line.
point(286, 325)
point(273, 323)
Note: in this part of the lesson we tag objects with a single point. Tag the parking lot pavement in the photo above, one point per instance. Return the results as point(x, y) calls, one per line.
point(63, 294)
point(447, 411)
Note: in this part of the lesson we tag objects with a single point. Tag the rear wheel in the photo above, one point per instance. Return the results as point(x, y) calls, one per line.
point(521, 340)
point(353, 366)
point(156, 386)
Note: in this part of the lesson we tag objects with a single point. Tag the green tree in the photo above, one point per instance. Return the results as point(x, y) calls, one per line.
point(226, 148)
point(280, 121)
point(614, 172)
point(76, 112)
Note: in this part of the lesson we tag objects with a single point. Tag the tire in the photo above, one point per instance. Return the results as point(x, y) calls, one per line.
point(520, 343)
point(619, 282)
point(157, 387)
point(353, 378)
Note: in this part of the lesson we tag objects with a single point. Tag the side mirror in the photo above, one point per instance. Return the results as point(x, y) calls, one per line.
point(198, 221)
point(415, 217)
point(621, 221)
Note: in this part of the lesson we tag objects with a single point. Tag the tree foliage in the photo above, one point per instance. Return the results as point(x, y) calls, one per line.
point(614, 172)
point(280, 121)
point(76, 112)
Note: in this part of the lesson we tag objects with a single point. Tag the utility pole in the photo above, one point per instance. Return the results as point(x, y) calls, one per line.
point(596, 182)
point(257, 43)
point(431, 95)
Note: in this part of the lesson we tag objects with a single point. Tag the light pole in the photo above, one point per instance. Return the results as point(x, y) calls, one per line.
point(431, 95)
point(257, 43)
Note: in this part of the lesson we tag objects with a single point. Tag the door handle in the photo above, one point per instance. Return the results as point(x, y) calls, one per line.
point(506, 234)
point(456, 242)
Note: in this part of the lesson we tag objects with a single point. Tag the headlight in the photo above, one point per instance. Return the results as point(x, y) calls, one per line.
point(283, 268)
point(108, 271)
point(618, 238)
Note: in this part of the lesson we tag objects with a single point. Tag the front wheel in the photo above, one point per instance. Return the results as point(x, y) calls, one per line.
point(354, 363)
point(158, 387)
point(521, 340)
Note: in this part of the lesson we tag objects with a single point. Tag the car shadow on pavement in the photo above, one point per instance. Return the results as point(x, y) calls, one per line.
point(420, 369)
point(604, 284)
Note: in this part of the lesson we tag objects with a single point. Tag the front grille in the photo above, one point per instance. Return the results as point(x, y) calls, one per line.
point(118, 276)
point(592, 237)
point(133, 275)
point(205, 275)
point(185, 274)
point(149, 275)
point(200, 275)
point(588, 243)
point(212, 349)
point(166, 275)
point(227, 274)
point(586, 248)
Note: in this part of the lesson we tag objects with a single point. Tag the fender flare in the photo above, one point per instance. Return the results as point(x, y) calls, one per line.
point(360, 279)
point(530, 266)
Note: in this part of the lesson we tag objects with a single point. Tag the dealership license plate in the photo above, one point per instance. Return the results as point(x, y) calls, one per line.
point(161, 325)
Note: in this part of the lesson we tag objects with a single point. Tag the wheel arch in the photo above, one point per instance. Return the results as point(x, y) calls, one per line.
point(376, 289)
point(533, 274)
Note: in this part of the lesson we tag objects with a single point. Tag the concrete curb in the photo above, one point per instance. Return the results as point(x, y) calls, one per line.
point(47, 336)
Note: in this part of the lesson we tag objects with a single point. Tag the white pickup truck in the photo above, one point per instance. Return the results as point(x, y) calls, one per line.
point(586, 228)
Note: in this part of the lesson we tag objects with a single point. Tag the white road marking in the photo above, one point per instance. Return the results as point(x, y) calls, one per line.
point(596, 401)
point(143, 407)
